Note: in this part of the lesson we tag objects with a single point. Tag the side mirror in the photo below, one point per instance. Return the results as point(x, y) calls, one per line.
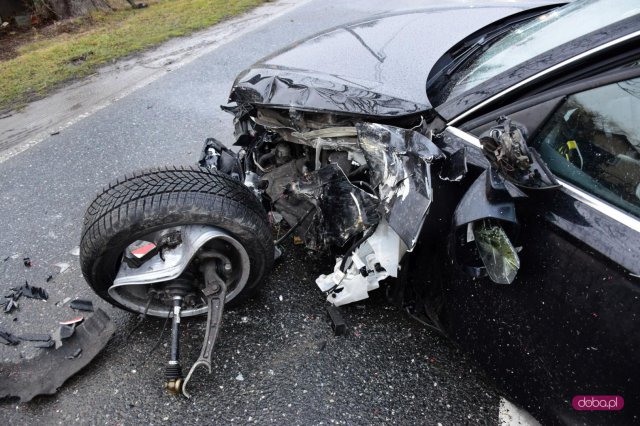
point(483, 222)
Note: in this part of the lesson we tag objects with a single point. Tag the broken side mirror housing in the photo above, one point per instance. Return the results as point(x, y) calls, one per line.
point(483, 224)
point(505, 146)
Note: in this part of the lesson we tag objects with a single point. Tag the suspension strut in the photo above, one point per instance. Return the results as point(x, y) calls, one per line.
point(173, 371)
point(214, 292)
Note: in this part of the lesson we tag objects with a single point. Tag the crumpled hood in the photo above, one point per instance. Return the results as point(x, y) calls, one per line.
point(376, 67)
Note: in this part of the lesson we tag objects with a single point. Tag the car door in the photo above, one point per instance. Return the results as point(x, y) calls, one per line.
point(569, 324)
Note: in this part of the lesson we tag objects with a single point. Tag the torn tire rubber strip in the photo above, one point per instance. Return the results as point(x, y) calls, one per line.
point(45, 373)
point(82, 305)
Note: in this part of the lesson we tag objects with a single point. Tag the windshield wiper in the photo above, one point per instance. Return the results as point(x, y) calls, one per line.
point(471, 49)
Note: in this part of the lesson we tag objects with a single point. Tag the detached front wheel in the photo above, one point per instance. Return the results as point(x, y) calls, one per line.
point(146, 238)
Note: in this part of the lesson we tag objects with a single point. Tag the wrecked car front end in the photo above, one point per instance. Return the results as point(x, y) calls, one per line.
point(349, 154)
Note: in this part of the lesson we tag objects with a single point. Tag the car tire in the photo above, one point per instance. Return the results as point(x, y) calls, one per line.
point(151, 200)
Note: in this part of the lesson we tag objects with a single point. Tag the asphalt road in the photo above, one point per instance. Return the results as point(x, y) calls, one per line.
point(277, 360)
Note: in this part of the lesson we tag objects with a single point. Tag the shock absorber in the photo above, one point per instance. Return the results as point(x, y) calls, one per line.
point(173, 372)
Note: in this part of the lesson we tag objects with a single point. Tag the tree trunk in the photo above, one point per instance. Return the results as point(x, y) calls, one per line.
point(70, 8)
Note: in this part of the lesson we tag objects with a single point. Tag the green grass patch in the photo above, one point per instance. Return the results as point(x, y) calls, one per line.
point(43, 65)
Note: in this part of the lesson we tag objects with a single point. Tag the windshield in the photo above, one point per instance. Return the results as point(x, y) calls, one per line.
point(540, 35)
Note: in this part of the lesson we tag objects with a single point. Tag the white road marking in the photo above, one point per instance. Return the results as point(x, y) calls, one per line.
point(511, 415)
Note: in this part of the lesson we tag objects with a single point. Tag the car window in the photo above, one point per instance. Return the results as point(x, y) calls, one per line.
point(593, 141)
point(542, 34)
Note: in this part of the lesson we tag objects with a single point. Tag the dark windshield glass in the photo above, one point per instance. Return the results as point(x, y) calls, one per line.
point(539, 35)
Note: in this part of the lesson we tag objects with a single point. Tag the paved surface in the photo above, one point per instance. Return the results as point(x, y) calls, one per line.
point(277, 361)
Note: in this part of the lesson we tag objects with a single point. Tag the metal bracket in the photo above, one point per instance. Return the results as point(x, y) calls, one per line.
point(214, 292)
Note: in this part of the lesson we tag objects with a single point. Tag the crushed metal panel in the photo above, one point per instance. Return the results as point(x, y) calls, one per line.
point(311, 91)
point(45, 373)
point(400, 160)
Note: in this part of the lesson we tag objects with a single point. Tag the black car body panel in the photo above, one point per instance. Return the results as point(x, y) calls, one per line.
point(374, 68)
point(568, 325)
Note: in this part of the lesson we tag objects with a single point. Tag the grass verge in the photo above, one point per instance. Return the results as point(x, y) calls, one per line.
point(42, 65)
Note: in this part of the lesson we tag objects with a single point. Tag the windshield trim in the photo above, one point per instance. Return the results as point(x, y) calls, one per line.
point(541, 74)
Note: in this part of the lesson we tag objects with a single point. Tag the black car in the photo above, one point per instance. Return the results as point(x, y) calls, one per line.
point(501, 208)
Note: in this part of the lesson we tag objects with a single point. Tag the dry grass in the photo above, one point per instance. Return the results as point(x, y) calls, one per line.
point(46, 61)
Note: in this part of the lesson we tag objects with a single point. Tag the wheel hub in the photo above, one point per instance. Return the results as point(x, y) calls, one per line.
point(148, 287)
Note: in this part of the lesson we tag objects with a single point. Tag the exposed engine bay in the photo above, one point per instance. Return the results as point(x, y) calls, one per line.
point(360, 188)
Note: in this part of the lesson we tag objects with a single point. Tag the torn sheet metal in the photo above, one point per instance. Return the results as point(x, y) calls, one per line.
point(342, 209)
point(399, 160)
point(45, 373)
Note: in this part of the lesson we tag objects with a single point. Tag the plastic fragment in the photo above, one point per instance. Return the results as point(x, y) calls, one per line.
point(74, 321)
point(7, 338)
point(66, 331)
point(496, 251)
point(74, 354)
point(338, 324)
point(10, 305)
point(63, 267)
point(35, 337)
point(33, 292)
point(82, 305)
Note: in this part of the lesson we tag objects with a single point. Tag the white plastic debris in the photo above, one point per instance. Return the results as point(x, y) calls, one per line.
point(63, 266)
point(379, 255)
point(240, 377)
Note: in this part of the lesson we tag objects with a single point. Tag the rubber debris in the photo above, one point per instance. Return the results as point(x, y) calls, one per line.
point(44, 345)
point(45, 373)
point(35, 337)
point(66, 331)
point(82, 305)
point(338, 324)
point(31, 292)
point(10, 305)
point(7, 338)
point(75, 354)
